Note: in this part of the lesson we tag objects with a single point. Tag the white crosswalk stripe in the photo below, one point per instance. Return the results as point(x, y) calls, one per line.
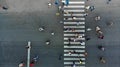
point(75, 2)
point(74, 14)
point(75, 50)
point(65, 38)
point(75, 66)
point(74, 23)
point(74, 55)
point(73, 34)
point(83, 43)
point(74, 26)
point(72, 62)
point(66, 10)
point(74, 46)
point(74, 58)
point(74, 6)
point(75, 19)
point(76, 31)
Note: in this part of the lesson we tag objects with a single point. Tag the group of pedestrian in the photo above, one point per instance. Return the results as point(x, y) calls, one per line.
point(99, 32)
point(42, 29)
point(90, 8)
point(101, 58)
point(80, 61)
point(32, 62)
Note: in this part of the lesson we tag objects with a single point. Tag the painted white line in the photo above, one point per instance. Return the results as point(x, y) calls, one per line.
point(75, 6)
point(74, 26)
point(73, 34)
point(81, 10)
point(78, 55)
point(74, 22)
point(74, 46)
point(75, 66)
point(66, 50)
point(75, 2)
point(74, 58)
point(74, 19)
point(74, 14)
point(66, 38)
point(76, 31)
point(83, 43)
point(72, 62)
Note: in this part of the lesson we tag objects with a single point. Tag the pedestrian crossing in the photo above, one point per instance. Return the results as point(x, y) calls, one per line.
point(74, 33)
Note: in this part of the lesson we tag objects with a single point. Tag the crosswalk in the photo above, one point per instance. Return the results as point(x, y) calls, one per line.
point(74, 33)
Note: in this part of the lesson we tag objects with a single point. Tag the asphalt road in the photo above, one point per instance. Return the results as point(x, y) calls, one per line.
point(20, 24)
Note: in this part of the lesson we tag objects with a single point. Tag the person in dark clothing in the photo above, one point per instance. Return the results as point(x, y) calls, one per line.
point(5, 8)
point(101, 47)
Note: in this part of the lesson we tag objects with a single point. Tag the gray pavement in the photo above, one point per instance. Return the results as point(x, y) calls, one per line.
point(108, 12)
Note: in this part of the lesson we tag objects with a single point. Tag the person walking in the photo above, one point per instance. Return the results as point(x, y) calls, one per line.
point(97, 18)
point(35, 59)
point(92, 8)
point(22, 64)
point(80, 61)
point(52, 33)
point(108, 1)
point(48, 42)
point(32, 63)
point(74, 65)
point(41, 29)
point(101, 47)
point(102, 60)
point(60, 57)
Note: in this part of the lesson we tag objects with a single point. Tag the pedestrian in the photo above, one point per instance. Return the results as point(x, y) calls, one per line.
point(101, 36)
point(92, 8)
point(69, 52)
point(60, 7)
point(47, 42)
point(27, 47)
point(60, 56)
point(97, 18)
point(97, 28)
point(36, 58)
point(74, 18)
point(87, 7)
point(22, 64)
point(102, 60)
point(100, 32)
point(78, 23)
point(56, 2)
point(32, 63)
point(75, 39)
point(73, 29)
point(71, 13)
point(66, 12)
point(67, 29)
point(108, 1)
point(52, 33)
point(80, 61)
point(85, 54)
point(74, 65)
point(49, 4)
point(109, 23)
point(61, 22)
point(5, 8)
point(41, 29)
point(88, 38)
point(85, 14)
point(88, 29)
point(101, 47)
